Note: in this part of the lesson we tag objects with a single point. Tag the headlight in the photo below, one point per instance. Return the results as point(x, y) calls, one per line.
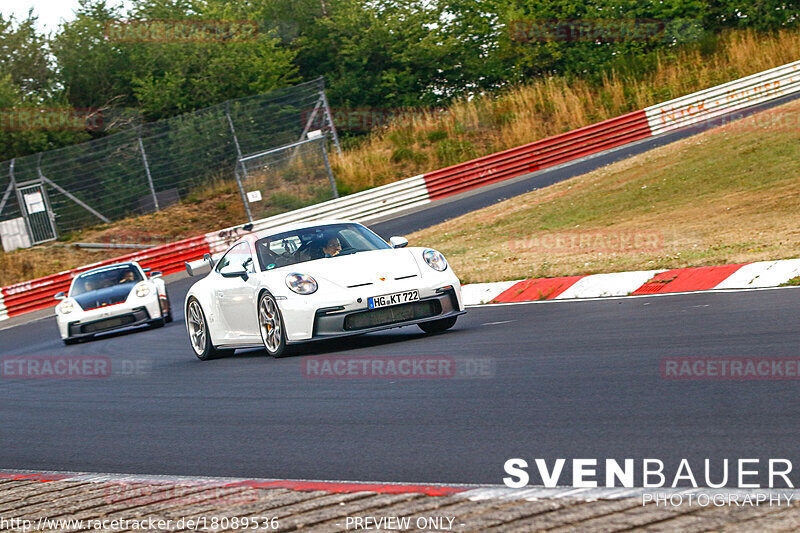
point(435, 260)
point(301, 284)
point(142, 290)
point(66, 307)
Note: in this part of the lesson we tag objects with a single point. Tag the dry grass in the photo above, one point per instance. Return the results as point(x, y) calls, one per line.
point(468, 129)
point(729, 195)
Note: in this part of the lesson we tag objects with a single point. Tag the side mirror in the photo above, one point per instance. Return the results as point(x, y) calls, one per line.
point(233, 271)
point(398, 242)
point(207, 257)
point(156, 274)
point(60, 296)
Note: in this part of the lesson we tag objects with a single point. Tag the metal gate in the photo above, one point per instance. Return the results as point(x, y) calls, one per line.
point(35, 207)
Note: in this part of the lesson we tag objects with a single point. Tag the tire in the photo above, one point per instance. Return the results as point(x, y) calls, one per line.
point(270, 324)
point(70, 341)
point(197, 328)
point(437, 326)
point(157, 323)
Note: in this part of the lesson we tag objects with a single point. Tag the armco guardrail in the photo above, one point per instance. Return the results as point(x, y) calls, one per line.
point(654, 120)
point(423, 189)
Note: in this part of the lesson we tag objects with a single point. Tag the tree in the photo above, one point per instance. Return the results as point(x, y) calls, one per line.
point(174, 64)
point(28, 91)
point(23, 56)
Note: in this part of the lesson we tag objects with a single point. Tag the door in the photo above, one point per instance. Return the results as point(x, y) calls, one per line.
point(236, 296)
point(35, 207)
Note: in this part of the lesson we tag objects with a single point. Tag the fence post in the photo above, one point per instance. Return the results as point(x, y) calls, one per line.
point(238, 163)
point(328, 169)
point(329, 117)
point(310, 120)
point(50, 211)
point(147, 171)
point(7, 194)
point(23, 209)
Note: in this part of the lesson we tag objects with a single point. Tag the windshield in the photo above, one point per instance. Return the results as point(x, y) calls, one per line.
point(317, 242)
point(103, 279)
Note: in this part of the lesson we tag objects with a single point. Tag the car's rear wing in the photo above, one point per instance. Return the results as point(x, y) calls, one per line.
point(201, 266)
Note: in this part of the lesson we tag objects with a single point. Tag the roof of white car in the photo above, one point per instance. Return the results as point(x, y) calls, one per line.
point(107, 267)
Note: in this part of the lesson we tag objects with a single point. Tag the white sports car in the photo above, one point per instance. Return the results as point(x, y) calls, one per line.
point(318, 280)
point(109, 298)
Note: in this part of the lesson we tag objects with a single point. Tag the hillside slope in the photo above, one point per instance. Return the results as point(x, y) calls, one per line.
point(729, 195)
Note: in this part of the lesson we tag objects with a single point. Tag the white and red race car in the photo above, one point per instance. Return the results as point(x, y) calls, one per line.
point(316, 280)
point(109, 298)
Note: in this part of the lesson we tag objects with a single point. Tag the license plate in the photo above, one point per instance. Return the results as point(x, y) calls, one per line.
point(393, 299)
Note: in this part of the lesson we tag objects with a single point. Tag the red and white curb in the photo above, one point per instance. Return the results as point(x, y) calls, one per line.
point(468, 492)
point(763, 274)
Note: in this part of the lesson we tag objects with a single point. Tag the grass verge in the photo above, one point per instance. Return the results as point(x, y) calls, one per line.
point(729, 195)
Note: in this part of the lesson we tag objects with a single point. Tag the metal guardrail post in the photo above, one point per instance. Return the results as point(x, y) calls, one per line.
point(239, 163)
point(147, 171)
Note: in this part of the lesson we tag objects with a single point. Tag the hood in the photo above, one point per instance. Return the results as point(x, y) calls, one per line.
point(362, 268)
point(103, 297)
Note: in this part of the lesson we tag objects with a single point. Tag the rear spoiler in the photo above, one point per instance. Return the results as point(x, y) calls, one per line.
point(201, 266)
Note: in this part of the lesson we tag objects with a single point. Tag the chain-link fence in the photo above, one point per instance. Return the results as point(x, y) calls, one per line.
point(286, 178)
point(151, 166)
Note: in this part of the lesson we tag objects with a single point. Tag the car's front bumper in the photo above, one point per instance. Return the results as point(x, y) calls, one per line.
point(127, 314)
point(331, 322)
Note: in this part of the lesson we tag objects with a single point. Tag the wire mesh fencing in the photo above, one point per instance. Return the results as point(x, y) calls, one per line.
point(151, 166)
point(286, 178)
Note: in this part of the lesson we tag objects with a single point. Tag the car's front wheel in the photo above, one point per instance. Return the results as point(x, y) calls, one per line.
point(199, 337)
point(270, 323)
point(437, 326)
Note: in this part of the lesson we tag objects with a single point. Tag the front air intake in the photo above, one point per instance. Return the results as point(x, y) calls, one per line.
point(391, 315)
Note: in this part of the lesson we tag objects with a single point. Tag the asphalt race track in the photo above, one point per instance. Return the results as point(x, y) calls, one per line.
point(558, 379)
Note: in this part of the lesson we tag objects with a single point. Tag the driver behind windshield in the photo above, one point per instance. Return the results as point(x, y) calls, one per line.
point(332, 247)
